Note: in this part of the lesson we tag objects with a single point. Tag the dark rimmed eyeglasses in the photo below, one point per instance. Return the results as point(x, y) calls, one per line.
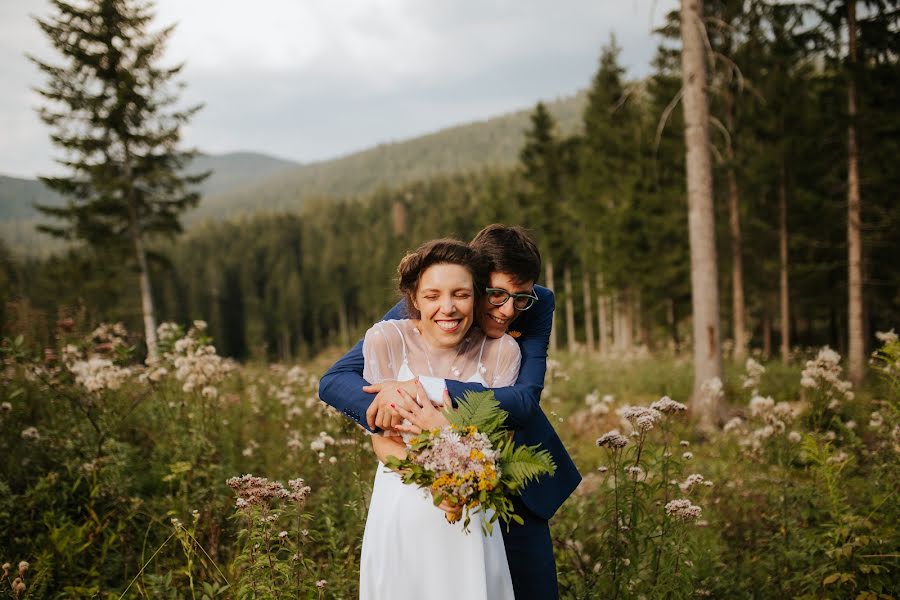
point(499, 296)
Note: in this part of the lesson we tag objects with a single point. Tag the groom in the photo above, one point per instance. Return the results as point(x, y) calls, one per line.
point(516, 265)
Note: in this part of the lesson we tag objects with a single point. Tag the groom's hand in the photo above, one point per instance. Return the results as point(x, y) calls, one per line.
point(419, 411)
point(380, 414)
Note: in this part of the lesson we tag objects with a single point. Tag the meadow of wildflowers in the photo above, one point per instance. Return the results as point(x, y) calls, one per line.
point(196, 477)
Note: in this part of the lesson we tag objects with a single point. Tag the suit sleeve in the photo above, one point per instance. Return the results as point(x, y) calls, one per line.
point(522, 398)
point(341, 386)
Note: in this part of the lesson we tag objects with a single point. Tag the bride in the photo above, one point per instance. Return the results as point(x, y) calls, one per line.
point(409, 549)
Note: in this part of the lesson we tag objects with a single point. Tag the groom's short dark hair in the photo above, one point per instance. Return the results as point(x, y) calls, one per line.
point(509, 249)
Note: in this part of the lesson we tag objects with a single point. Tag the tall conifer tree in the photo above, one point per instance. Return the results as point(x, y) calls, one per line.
point(111, 108)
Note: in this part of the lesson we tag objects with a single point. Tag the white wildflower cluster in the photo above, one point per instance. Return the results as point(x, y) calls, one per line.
point(251, 447)
point(97, 374)
point(640, 418)
point(94, 372)
point(294, 441)
point(109, 337)
point(321, 442)
point(886, 359)
point(667, 406)
point(768, 419)
point(876, 421)
point(31, 434)
point(886, 337)
point(683, 510)
point(824, 374)
point(734, 424)
point(296, 375)
point(195, 362)
point(694, 481)
point(259, 491)
point(167, 333)
point(599, 405)
point(754, 372)
point(712, 391)
point(554, 370)
point(636, 473)
point(612, 440)
point(839, 457)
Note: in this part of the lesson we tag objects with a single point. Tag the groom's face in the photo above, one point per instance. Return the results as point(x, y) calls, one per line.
point(495, 320)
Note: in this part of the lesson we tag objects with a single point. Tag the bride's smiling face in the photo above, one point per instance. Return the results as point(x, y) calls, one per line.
point(445, 296)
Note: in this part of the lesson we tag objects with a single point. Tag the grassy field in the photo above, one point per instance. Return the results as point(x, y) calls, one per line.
point(125, 480)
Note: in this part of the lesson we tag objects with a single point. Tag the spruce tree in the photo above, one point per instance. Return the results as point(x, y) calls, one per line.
point(111, 108)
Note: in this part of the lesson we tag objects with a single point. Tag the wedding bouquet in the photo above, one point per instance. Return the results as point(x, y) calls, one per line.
point(473, 463)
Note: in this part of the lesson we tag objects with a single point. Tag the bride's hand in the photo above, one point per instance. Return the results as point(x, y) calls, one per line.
point(454, 511)
point(419, 411)
point(388, 446)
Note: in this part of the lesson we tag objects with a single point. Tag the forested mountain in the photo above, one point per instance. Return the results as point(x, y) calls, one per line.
point(246, 183)
point(491, 143)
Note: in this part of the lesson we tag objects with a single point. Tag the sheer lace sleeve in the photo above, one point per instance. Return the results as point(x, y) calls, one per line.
point(382, 353)
point(506, 362)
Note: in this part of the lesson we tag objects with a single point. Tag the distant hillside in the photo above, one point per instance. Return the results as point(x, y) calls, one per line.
point(18, 217)
point(245, 183)
point(18, 196)
point(493, 142)
point(237, 169)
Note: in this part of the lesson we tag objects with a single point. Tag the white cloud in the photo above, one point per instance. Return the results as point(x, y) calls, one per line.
point(311, 79)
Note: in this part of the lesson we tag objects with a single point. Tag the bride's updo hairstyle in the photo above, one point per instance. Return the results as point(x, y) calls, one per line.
point(438, 252)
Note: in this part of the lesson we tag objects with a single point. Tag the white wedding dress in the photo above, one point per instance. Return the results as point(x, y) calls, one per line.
point(409, 550)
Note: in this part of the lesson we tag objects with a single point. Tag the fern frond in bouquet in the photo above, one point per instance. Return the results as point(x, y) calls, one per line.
point(473, 463)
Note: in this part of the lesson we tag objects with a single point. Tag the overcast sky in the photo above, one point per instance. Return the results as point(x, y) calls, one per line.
point(314, 79)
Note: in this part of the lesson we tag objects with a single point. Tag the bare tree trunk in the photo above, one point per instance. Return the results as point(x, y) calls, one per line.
point(570, 309)
point(856, 342)
point(549, 270)
point(673, 325)
point(626, 325)
point(343, 323)
point(602, 320)
point(615, 307)
point(738, 307)
point(137, 238)
point(588, 310)
point(398, 218)
point(737, 269)
point(704, 284)
point(783, 266)
point(146, 294)
point(638, 322)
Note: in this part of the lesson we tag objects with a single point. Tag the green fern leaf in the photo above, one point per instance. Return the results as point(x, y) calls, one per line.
point(480, 409)
point(526, 464)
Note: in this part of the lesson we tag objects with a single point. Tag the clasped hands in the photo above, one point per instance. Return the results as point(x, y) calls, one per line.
point(404, 407)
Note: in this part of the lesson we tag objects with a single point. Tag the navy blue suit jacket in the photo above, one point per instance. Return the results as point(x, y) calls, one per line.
point(341, 387)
